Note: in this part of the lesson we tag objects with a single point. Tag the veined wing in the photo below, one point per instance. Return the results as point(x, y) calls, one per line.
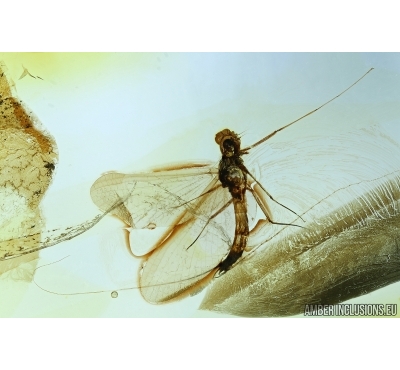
point(191, 252)
point(196, 244)
point(152, 199)
point(347, 188)
point(172, 212)
point(315, 176)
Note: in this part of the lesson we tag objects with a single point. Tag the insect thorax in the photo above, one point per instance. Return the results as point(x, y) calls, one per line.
point(232, 176)
point(231, 167)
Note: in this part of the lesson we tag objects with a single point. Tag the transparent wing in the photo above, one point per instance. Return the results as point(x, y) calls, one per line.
point(175, 214)
point(314, 177)
point(347, 188)
point(153, 199)
point(191, 252)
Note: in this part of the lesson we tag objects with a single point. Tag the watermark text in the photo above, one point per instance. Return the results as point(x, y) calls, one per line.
point(351, 310)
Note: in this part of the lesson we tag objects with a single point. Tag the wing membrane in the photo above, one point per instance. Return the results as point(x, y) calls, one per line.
point(152, 199)
point(191, 252)
point(314, 177)
point(180, 204)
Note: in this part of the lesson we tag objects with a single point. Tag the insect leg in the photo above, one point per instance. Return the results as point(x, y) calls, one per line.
point(211, 217)
point(266, 211)
point(205, 193)
point(269, 195)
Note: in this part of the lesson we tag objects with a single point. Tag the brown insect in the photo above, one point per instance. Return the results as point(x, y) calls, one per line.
point(191, 223)
point(182, 219)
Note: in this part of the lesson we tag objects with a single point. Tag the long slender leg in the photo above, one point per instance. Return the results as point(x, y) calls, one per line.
point(266, 211)
point(210, 218)
point(269, 195)
point(205, 193)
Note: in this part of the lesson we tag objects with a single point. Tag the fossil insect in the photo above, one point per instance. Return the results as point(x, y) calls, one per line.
point(193, 222)
point(181, 218)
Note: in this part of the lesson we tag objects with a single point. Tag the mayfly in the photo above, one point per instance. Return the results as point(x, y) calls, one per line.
point(181, 218)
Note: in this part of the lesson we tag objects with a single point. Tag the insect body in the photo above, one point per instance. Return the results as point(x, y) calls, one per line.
point(233, 175)
point(182, 220)
point(192, 221)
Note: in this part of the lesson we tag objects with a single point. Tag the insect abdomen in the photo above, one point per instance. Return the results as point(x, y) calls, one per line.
point(241, 234)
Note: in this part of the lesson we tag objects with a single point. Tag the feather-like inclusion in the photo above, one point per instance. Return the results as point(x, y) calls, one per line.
point(348, 190)
point(344, 186)
point(28, 155)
